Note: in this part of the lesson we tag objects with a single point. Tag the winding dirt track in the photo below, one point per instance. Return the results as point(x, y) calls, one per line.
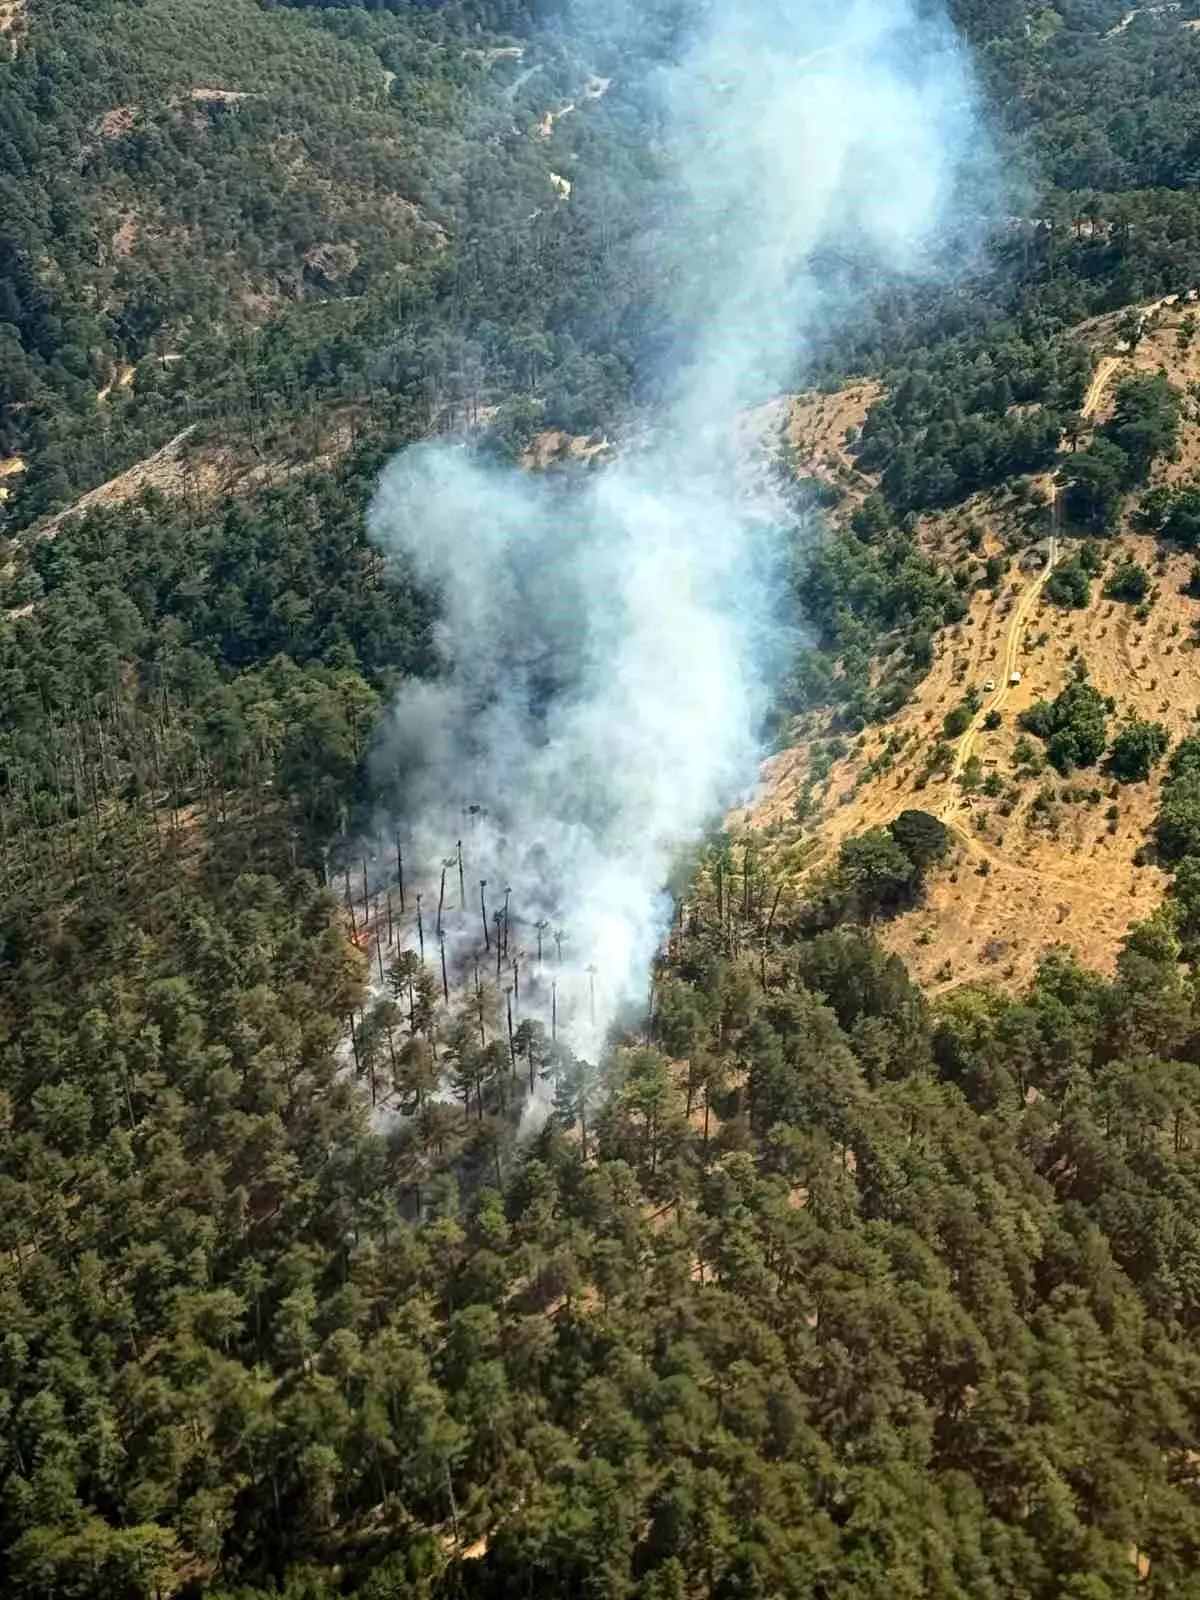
point(1012, 652)
point(953, 803)
point(1105, 368)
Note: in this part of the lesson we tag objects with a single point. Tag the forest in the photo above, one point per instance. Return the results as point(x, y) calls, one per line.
point(812, 1286)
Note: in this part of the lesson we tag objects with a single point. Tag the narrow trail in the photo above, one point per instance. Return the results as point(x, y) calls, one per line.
point(954, 802)
point(1105, 368)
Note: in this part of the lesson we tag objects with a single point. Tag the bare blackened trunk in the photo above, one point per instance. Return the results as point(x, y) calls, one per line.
point(420, 929)
point(400, 872)
point(445, 981)
point(487, 943)
point(462, 887)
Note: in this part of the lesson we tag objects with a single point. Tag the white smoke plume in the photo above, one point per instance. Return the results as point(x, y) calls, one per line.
point(608, 642)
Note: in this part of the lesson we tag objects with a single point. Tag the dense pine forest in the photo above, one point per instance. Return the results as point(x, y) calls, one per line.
point(812, 1287)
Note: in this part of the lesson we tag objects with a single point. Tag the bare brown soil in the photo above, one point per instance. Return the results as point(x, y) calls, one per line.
point(217, 97)
point(113, 123)
point(120, 379)
point(817, 429)
point(10, 467)
point(554, 446)
point(125, 240)
point(549, 122)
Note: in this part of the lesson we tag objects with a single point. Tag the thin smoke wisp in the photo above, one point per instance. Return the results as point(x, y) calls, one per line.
point(607, 645)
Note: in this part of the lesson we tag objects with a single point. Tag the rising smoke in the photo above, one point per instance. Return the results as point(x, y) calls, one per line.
point(609, 645)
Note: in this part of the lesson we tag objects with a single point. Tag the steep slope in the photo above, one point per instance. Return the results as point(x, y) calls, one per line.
point(222, 211)
point(1040, 860)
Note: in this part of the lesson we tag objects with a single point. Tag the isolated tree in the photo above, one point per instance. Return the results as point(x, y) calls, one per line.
point(1136, 748)
point(922, 837)
point(1074, 725)
point(1128, 581)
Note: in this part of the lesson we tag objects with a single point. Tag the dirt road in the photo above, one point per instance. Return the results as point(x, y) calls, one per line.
point(1105, 368)
point(953, 803)
point(1012, 653)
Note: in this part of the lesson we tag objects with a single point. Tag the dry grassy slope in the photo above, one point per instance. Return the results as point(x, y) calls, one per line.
point(1022, 879)
point(817, 426)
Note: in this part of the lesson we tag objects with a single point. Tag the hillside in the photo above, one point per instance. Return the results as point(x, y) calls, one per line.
point(241, 214)
point(1042, 861)
point(344, 1255)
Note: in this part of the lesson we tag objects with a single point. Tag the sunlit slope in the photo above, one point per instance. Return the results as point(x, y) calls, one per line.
point(1039, 859)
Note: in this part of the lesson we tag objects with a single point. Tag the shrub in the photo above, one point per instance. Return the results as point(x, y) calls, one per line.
point(1074, 726)
point(1069, 585)
point(1136, 748)
point(1129, 581)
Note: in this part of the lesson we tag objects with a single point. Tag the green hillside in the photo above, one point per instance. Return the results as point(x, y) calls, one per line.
point(811, 1288)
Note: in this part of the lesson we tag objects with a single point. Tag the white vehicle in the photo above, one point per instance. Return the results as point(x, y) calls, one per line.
point(989, 685)
point(1014, 679)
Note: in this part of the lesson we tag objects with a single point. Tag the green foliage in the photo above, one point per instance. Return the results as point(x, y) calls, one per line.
point(1174, 514)
point(1070, 584)
point(1177, 826)
point(880, 872)
point(922, 837)
point(349, 221)
point(861, 588)
point(1074, 726)
point(1144, 424)
point(1092, 557)
point(1094, 481)
point(956, 721)
point(1137, 747)
point(821, 1290)
point(1128, 581)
